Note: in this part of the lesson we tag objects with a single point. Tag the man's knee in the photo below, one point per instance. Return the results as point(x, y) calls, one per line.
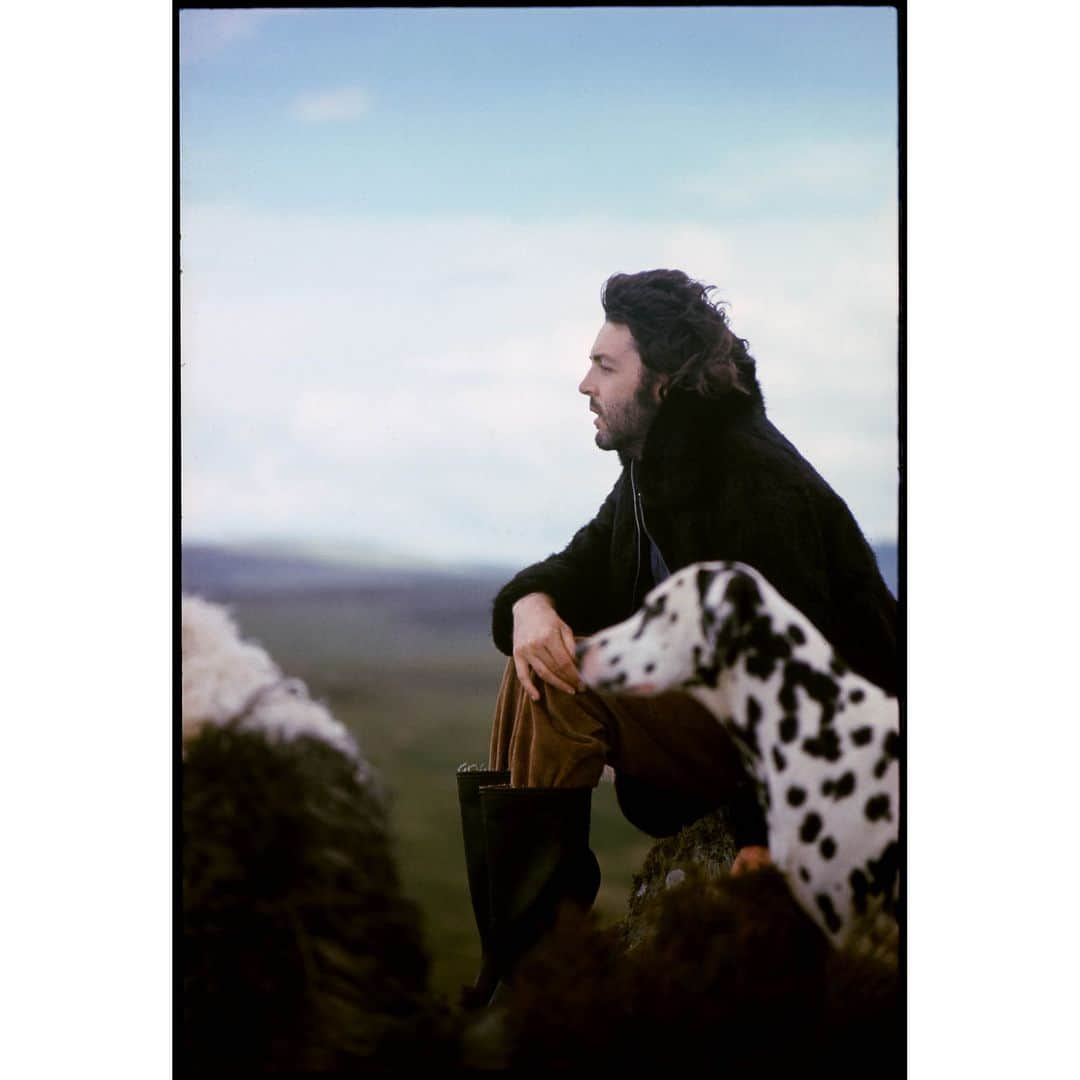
point(560, 740)
point(657, 810)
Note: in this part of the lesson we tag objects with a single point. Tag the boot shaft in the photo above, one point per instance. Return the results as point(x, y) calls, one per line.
point(469, 782)
point(538, 857)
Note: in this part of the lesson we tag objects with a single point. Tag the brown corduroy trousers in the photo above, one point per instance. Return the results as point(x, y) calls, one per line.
point(565, 740)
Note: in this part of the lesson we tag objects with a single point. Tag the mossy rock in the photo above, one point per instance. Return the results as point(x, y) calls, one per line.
point(707, 844)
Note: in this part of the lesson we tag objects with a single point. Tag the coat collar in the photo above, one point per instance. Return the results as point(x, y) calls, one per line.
point(684, 429)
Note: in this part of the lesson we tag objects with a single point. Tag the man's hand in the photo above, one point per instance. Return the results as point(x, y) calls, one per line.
point(748, 859)
point(544, 643)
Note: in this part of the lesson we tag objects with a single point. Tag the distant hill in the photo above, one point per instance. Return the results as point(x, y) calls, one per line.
point(401, 600)
point(213, 570)
point(223, 572)
point(886, 553)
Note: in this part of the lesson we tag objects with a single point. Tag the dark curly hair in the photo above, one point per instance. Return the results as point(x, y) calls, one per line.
point(679, 331)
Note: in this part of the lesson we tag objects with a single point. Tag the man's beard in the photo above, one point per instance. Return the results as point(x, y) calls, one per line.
point(625, 426)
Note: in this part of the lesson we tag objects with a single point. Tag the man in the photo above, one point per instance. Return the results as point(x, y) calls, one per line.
point(705, 476)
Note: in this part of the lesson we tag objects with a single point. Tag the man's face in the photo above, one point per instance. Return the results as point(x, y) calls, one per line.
point(622, 392)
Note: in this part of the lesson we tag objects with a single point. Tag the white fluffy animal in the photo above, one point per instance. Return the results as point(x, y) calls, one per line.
point(822, 742)
point(227, 680)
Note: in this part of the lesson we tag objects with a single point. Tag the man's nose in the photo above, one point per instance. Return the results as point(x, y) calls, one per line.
point(585, 387)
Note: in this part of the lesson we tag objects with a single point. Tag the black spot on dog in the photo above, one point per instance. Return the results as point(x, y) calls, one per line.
point(650, 667)
point(837, 666)
point(862, 735)
point(796, 634)
point(789, 728)
point(796, 795)
point(674, 617)
point(614, 660)
point(824, 745)
point(878, 807)
point(881, 767)
point(856, 696)
point(603, 642)
point(810, 827)
point(818, 687)
point(704, 579)
point(891, 744)
point(753, 718)
point(832, 920)
point(827, 786)
point(804, 873)
point(827, 847)
point(649, 612)
point(844, 786)
point(748, 631)
point(706, 673)
point(778, 759)
point(860, 888)
point(883, 870)
point(743, 592)
point(877, 878)
point(766, 649)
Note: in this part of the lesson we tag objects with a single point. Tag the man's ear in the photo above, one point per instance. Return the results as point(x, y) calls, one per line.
point(662, 387)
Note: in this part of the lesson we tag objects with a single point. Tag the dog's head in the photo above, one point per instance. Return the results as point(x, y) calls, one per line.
point(684, 635)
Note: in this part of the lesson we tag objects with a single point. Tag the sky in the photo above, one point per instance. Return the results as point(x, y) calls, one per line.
point(396, 224)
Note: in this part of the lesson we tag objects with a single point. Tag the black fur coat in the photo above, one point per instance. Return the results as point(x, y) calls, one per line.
point(718, 481)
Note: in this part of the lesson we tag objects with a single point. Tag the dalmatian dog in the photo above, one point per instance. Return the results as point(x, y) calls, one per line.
point(821, 742)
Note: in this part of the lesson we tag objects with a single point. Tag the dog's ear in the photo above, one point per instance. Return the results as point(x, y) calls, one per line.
point(740, 601)
point(744, 596)
point(703, 579)
point(727, 617)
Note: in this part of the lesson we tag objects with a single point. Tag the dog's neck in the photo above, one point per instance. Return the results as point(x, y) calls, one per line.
point(733, 703)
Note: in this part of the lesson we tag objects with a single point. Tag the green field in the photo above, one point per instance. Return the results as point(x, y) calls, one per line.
point(415, 679)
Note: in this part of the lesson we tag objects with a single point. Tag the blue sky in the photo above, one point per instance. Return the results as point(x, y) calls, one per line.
point(528, 112)
point(396, 224)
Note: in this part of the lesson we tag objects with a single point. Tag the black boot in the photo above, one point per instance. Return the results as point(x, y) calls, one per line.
point(469, 781)
point(538, 856)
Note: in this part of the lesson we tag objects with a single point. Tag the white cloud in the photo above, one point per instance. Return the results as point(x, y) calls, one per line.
point(345, 103)
point(413, 383)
